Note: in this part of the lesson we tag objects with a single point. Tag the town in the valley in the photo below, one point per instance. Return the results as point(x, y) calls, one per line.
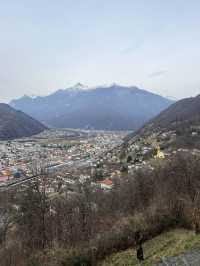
point(70, 155)
point(76, 156)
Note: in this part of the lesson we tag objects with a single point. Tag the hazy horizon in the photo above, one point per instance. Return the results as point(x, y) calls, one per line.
point(33, 95)
point(46, 46)
point(86, 87)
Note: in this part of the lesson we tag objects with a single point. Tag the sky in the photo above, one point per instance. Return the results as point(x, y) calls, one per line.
point(46, 45)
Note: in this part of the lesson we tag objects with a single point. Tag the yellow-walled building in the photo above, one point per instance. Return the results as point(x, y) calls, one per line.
point(160, 154)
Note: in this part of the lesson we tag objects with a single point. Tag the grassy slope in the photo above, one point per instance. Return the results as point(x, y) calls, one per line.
point(168, 244)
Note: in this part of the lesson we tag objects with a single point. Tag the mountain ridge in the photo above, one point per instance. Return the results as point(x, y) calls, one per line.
point(182, 118)
point(112, 107)
point(183, 111)
point(16, 124)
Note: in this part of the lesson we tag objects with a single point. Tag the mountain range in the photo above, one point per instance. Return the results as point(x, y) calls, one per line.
point(16, 124)
point(113, 107)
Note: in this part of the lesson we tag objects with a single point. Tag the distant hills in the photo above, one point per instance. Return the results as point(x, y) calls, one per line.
point(111, 107)
point(182, 118)
point(179, 115)
point(16, 124)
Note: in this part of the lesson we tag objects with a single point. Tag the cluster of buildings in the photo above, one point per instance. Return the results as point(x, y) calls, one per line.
point(82, 156)
point(143, 151)
point(74, 156)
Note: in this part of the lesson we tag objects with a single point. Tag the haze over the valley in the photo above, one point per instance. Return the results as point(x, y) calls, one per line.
point(51, 45)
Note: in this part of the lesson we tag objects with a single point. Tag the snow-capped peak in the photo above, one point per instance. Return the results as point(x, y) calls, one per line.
point(80, 86)
point(110, 85)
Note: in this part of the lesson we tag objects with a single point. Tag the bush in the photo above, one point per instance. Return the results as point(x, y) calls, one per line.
point(92, 225)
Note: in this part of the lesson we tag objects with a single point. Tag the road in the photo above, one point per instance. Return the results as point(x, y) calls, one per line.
point(16, 182)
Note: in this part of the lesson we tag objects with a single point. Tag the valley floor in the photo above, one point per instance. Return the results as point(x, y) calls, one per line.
point(172, 243)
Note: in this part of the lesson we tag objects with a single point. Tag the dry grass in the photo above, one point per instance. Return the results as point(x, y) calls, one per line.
point(167, 244)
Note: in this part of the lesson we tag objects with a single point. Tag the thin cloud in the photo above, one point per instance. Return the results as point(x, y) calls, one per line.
point(157, 74)
point(132, 48)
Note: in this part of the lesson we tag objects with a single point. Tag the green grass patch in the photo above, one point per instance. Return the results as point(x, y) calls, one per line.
point(167, 244)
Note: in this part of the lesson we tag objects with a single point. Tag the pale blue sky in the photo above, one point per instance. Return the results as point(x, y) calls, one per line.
point(50, 45)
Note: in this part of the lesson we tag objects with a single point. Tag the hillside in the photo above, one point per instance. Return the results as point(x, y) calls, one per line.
point(175, 129)
point(165, 246)
point(112, 107)
point(178, 116)
point(16, 124)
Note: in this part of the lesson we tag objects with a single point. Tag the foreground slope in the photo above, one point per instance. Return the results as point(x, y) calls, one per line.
point(112, 107)
point(16, 124)
point(164, 247)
